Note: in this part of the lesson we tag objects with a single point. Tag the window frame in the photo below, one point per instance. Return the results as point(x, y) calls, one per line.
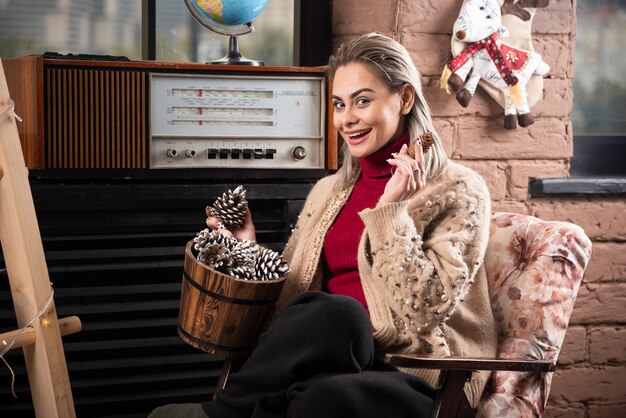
point(312, 34)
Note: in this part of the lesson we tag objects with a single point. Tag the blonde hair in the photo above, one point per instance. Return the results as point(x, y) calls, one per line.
point(393, 65)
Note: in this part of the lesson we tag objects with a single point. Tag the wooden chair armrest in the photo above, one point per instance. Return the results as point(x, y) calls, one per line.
point(458, 363)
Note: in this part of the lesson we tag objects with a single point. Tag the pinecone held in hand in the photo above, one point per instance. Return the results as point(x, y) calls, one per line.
point(241, 259)
point(231, 207)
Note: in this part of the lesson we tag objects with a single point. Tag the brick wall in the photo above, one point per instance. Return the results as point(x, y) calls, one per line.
point(591, 381)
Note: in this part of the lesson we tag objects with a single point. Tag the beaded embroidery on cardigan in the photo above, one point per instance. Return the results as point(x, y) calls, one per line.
point(432, 236)
point(318, 240)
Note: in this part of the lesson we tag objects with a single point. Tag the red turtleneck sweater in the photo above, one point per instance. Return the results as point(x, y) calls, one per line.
point(342, 240)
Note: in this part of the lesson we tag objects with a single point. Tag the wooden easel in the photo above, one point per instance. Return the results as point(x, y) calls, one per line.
point(28, 276)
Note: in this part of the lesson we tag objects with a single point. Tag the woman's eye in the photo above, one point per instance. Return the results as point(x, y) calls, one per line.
point(338, 105)
point(362, 101)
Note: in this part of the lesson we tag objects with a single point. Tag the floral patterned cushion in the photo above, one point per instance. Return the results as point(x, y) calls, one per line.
point(534, 269)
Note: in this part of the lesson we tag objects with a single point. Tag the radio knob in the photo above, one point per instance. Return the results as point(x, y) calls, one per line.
point(190, 153)
point(299, 153)
point(171, 153)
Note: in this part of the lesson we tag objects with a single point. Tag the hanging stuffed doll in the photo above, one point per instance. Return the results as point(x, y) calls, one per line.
point(511, 73)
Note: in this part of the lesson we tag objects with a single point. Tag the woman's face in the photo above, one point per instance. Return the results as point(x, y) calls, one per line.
point(366, 113)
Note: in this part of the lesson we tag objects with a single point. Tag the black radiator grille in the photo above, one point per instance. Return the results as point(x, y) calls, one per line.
point(115, 254)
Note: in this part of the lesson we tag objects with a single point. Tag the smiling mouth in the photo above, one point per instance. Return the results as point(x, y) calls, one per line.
point(355, 136)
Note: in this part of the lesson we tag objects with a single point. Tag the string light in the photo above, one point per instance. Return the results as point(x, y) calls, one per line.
point(12, 378)
point(10, 112)
point(9, 345)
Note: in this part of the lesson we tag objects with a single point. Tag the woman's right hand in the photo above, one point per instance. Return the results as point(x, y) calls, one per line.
point(409, 176)
point(247, 230)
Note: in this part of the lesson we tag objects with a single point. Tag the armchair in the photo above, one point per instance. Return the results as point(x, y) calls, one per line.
point(534, 269)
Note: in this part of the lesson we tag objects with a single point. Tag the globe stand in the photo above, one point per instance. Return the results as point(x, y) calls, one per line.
point(234, 57)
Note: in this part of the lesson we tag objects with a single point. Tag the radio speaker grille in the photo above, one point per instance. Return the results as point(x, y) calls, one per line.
point(95, 118)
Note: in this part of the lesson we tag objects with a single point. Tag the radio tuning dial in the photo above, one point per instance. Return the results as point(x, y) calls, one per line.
point(299, 153)
point(171, 153)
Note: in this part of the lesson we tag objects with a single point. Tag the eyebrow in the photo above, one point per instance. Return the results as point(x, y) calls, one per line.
point(356, 93)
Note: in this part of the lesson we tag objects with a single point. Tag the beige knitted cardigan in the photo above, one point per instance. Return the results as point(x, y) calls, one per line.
point(421, 266)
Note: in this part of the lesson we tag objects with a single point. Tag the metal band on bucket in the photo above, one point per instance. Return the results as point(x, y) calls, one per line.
point(208, 345)
point(223, 298)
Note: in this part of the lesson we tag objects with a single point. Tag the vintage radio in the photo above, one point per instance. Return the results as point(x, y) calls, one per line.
point(97, 114)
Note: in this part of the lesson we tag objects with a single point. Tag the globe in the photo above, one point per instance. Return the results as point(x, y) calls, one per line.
point(231, 18)
point(230, 12)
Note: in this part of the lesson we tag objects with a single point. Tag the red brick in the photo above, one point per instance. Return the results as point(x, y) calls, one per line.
point(569, 411)
point(602, 219)
point(574, 349)
point(606, 411)
point(487, 139)
point(518, 173)
point(363, 16)
point(428, 16)
point(493, 174)
point(608, 262)
point(556, 51)
point(557, 18)
point(572, 53)
point(340, 39)
point(557, 99)
point(589, 384)
point(430, 52)
point(600, 303)
point(508, 205)
point(445, 129)
point(607, 345)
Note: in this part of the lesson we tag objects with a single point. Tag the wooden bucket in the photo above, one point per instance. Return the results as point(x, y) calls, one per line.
point(221, 314)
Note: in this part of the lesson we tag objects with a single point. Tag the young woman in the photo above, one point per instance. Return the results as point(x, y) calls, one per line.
point(386, 257)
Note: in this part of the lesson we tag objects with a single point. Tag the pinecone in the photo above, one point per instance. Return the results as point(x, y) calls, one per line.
point(270, 265)
point(241, 272)
point(201, 239)
point(244, 254)
point(241, 259)
point(214, 256)
point(231, 207)
point(208, 237)
point(230, 243)
point(427, 141)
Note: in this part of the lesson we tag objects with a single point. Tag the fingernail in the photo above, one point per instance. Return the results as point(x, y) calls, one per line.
point(404, 146)
point(393, 154)
point(388, 160)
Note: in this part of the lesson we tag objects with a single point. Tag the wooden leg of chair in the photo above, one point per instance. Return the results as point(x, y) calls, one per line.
point(231, 364)
point(465, 409)
point(448, 398)
point(221, 383)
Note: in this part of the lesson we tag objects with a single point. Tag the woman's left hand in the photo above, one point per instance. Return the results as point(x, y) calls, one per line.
point(409, 175)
